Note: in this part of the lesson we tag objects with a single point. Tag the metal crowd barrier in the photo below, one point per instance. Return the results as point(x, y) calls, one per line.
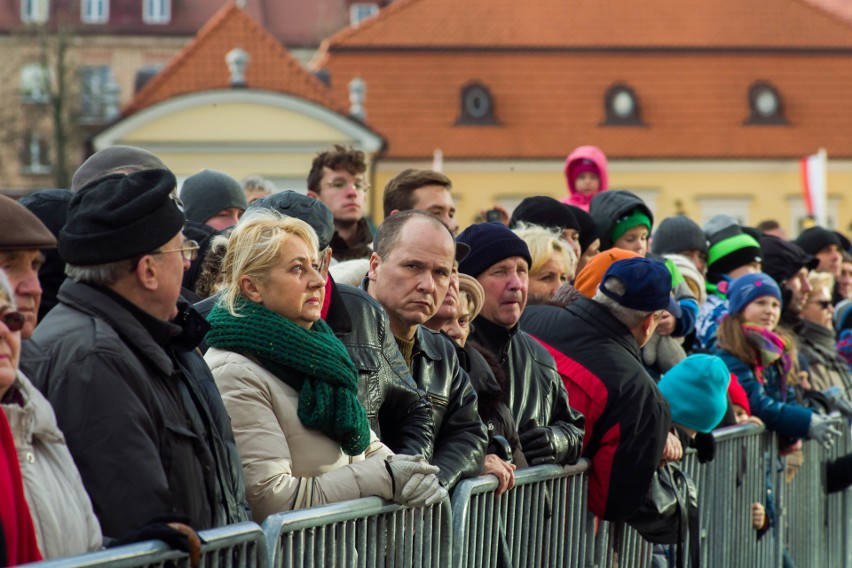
point(541, 522)
point(738, 476)
point(815, 524)
point(366, 532)
point(232, 546)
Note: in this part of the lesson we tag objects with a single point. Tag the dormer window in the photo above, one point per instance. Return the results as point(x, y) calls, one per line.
point(94, 11)
point(359, 12)
point(621, 106)
point(477, 105)
point(34, 11)
point(157, 11)
point(765, 104)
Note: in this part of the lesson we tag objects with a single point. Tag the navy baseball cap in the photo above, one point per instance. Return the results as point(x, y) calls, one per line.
point(648, 285)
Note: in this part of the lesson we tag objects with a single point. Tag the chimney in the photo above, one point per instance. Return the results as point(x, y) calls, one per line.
point(357, 96)
point(237, 60)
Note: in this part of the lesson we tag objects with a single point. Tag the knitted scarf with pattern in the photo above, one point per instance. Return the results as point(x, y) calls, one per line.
point(770, 349)
point(313, 362)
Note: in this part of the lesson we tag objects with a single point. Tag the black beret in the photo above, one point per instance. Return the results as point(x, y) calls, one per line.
point(544, 211)
point(119, 217)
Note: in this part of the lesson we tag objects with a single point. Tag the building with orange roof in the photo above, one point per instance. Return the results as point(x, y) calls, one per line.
point(112, 47)
point(702, 108)
point(234, 99)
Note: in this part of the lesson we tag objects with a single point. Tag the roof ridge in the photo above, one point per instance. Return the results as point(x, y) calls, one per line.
point(321, 55)
point(218, 19)
point(233, 23)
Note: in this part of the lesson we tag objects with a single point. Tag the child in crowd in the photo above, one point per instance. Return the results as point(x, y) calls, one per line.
point(732, 253)
point(586, 175)
point(624, 221)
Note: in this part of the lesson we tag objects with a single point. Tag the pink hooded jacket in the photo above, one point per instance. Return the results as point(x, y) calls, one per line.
point(594, 154)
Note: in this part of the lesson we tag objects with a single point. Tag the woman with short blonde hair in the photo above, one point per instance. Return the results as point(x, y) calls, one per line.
point(553, 262)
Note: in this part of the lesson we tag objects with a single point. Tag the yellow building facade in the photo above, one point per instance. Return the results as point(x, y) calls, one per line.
point(751, 191)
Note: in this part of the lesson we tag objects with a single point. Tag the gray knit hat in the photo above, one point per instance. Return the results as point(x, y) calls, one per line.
point(676, 234)
point(105, 161)
point(208, 192)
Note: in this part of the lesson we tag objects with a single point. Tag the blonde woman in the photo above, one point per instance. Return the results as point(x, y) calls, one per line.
point(553, 262)
point(289, 385)
point(817, 341)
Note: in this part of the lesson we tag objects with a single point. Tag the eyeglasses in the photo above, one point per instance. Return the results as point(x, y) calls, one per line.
point(342, 183)
point(189, 250)
point(824, 304)
point(13, 320)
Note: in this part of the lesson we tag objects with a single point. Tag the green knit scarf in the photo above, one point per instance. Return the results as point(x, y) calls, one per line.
point(313, 362)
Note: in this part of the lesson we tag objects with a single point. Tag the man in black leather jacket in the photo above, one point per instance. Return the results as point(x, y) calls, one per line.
point(550, 431)
point(409, 276)
point(399, 413)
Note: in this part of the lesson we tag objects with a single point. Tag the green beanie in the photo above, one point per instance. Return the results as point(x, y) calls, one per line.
point(632, 219)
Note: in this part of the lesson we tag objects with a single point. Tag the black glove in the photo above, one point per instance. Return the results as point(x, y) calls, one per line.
point(541, 445)
point(157, 529)
point(705, 447)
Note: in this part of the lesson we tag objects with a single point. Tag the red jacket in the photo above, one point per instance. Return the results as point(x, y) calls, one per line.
point(18, 534)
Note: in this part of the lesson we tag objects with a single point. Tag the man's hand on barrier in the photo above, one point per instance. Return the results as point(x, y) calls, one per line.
point(540, 444)
point(822, 430)
point(169, 529)
point(674, 450)
point(502, 470)
point(414, 481)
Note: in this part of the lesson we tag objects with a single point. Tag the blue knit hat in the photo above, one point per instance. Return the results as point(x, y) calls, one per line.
point(697, 391)
point(746, 289)
point(489, 244)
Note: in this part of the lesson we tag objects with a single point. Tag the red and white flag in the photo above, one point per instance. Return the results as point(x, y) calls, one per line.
point(814, 170)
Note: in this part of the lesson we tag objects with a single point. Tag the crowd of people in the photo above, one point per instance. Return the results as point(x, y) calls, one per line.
point(173, 361)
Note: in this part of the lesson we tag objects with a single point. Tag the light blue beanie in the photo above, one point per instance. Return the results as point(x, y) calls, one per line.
point(697, 391)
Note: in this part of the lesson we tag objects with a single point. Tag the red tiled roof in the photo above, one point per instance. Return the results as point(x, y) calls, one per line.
point(599, 23)
point(549, 63)
point(201, 66)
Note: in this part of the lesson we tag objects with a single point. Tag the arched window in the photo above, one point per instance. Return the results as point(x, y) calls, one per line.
point(477, 105)
point(765, 104)
point(621, 106)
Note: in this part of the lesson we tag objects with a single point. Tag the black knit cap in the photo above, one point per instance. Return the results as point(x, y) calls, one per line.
point(588, 229)
point(119, 217)
point(677, 234)
point(783, 259)
point(545, 212)
point(815, 239)
point(311, 211)
point(489, 244)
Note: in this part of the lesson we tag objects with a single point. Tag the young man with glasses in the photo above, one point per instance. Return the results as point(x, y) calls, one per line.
point(337, 179)
point(128, 389)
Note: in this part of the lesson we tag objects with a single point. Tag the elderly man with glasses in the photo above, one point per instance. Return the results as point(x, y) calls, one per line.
point(129, 392)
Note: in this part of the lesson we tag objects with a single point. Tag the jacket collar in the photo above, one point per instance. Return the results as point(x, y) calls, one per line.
point(337, 317)
point(494, 337)
point(94, 302)
point(424, 343)
point(599, 317)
